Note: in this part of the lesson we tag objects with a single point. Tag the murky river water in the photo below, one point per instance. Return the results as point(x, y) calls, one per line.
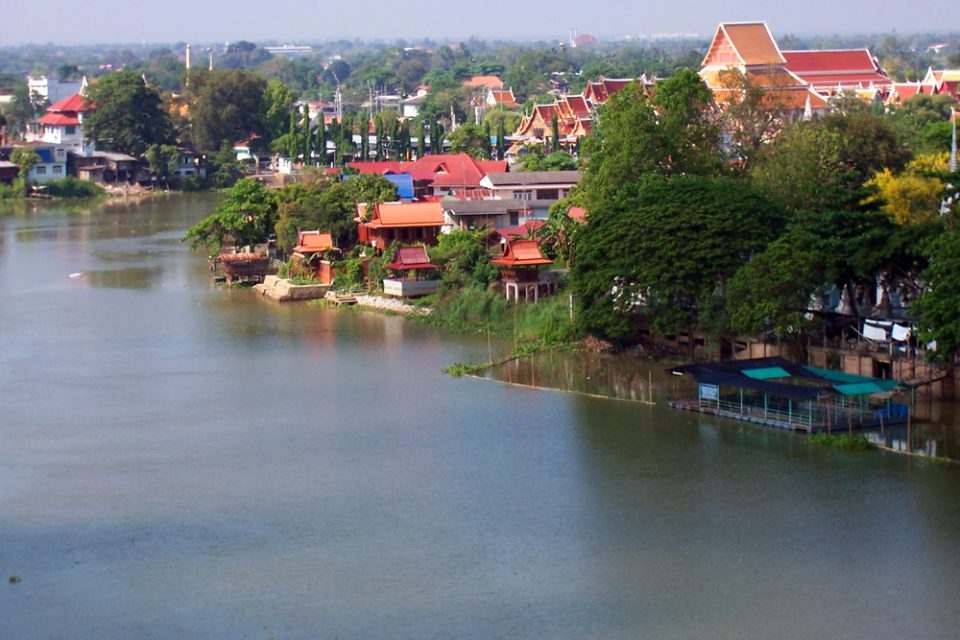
point(183, 461)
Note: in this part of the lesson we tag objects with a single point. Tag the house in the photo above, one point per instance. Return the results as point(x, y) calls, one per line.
point(750, 48)
point(409, 268)
point(494, 214)
point(531, 185)
point(49, 167)
point(403, 221)
point(520, 270)
point(308, 254)
point(444, 174)
point(62, 125)
point(410, 106)
point(8, 172)
point(830, 71)
point(104, 166)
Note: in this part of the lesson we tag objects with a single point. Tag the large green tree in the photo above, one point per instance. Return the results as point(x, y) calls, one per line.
point(245, 217)
point(938, 309)
point(664, 248)
point(275, 108)
point(673, 134)
point(128, 114)
point(225, 107)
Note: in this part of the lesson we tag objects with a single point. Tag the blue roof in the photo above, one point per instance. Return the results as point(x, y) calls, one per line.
point(404, 182)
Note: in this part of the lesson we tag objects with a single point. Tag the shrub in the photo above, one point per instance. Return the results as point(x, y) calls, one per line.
point(71, 187)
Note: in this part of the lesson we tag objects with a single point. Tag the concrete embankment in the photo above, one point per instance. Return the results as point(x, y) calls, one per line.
point(391, 305)
point(282, 291)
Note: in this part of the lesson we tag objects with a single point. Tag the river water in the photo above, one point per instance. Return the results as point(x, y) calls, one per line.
point(179, 460)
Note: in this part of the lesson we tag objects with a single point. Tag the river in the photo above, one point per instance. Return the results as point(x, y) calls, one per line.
point(179, 460)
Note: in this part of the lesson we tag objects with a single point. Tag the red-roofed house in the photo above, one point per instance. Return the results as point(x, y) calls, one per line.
point(62, 124)
point(410, 260)
point(443, 174)
point(520, 269)
point(403, 221)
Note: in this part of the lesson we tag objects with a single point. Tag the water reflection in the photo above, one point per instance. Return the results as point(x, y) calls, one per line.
point(935, 433)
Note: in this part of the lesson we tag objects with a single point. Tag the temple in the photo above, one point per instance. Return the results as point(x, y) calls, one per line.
point(520, 270)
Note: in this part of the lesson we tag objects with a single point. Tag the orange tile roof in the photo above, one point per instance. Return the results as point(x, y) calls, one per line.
point(313, 242)
point(752, 40)
point(412, 258)
point(59, 120)
point(485, 82)
point(407, 214)
point(522, 253)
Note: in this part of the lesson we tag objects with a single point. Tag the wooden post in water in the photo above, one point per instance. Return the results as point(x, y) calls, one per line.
point(650, 385)
point(909, 432)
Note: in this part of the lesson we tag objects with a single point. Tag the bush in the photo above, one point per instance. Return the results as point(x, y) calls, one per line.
point(6, 191)
point(71, 187)
point(842, 441)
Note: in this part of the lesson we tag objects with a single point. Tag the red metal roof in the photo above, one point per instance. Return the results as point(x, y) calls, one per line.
point(412, 258)
point(381, 167)
point(75, 103)
point(822, 61)
point(59, 120)
point(449, 170)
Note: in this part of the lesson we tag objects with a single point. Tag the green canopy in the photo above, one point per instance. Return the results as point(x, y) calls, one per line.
point(766, 373)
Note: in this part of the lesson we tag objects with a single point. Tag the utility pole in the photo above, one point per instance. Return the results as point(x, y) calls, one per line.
point(953, 142)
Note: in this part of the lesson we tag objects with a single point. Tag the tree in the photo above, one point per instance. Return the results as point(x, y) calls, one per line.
point(128, 115)
point(245, 217)
point(535, 160)
point(752, 116)
point(226, 106)
point(275, 109)
point(634, 137)
point(803, 169)
point(26, 158)
point(164, 160)
point(422, 140)
point(555, 130)
point(913, 195)
point(938, 309)
point(469, 139)
point(501, 141)
point(664, 247)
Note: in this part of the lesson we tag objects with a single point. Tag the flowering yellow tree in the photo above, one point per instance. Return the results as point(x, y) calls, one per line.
point(913, 195)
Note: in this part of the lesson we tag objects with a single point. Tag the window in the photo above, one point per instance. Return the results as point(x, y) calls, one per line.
point(60, 153)
point(71, 131)
point(548, 194)
point(57, 169)
point(523, 195)
point(41, 171)
point(514, 218)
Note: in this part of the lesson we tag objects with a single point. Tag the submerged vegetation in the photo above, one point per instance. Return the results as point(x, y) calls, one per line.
point(845, 441)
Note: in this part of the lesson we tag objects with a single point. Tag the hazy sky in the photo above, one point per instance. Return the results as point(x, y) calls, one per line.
point(102, 21)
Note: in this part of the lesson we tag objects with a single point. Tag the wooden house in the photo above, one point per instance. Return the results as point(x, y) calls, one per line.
point(521, 269)
point(403, 221)
point(410, 267)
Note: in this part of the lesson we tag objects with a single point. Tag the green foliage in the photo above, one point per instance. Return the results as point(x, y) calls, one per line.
point(129, 114)
point(164, 160)
point(71, 187)
point(470, 139)
point(535, 160)
point(225, 106)
point(245, 217)
point(674, 134)
point(842, 441)
point(26, 158)
point(464, 259)
point(665, 247)
point(275, 107)
point(938, 309)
